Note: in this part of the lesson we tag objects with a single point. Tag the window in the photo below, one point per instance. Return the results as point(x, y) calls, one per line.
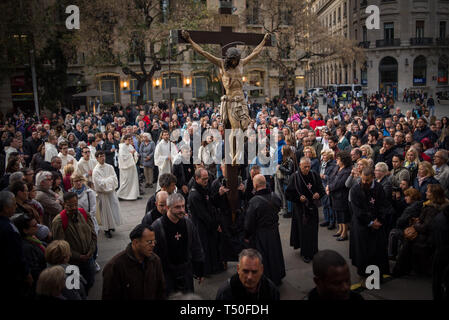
point(164, 5)
point(420, 29)
point(344, 10)
point(335, 14)
point(443, 65)
point(356, 35)
point(110, 84)
point(252, 12)
point(355, 4)
point(200, 86)
point(339, 14)
point(442, 29)
point(365, 34)
point(388, 30)
point(176, 86)
point(419, 71)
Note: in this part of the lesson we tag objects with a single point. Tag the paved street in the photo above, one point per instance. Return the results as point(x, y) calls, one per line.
point(299, 278)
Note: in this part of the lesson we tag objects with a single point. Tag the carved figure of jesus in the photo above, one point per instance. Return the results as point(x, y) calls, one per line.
point(233, 108)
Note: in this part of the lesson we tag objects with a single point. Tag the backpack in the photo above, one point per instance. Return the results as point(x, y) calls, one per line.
point(65, 219)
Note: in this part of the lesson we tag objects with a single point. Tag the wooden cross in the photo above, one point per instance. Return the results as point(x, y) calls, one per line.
point(226, 38)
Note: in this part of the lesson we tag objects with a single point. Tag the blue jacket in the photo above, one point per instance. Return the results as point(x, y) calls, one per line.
point(280, 145)
point(423, 187)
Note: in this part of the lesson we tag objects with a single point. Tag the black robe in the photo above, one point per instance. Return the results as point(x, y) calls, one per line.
point(262, 230)
point(233, 290)
point(204, 217)
point(368, 246)
point(180, 275)
point(305, 218)
point(232, 233)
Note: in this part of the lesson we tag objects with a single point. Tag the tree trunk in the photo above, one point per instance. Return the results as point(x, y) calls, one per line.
point(140, 84)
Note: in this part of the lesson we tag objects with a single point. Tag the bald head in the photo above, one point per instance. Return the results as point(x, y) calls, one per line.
point(161, 196)
point(259, 182)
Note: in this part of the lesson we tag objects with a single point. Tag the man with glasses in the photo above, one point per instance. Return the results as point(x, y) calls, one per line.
point(86, 164)
point(47, 198)
point(65, 157)
point(442, 169)
point(135, 273)
point(75, 226)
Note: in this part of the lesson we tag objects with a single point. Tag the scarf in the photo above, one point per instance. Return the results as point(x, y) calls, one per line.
point(36, 242)
point(79, 191)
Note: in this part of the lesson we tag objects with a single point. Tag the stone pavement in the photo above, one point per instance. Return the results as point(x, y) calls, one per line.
point(298, 281)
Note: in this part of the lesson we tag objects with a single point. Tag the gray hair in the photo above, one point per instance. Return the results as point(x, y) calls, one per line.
point(160, 194)
point(16, 176)
point(41, 176)
point(382, 166)
point(147, 135)
point(250, 253)
point(174, 198)
point(389, 141)
point(305, 159)
point(444, 154)
point(6, 199)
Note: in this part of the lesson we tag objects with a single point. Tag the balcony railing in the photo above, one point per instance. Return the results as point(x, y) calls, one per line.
point(388, 43)
point(421, 41)
point(364, 44)
point(442, 42)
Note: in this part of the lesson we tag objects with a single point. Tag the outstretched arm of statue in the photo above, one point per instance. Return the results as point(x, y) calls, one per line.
point(256, 51)
point(201, 51)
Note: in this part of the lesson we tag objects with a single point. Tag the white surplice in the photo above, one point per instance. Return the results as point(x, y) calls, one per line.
point(66, 159)
point(129, 179)
point(161, 154)
point(108, 208)
point(50, 151)
point(84, 167)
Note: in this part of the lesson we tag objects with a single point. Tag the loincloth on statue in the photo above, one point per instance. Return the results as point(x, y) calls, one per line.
point(235, 111)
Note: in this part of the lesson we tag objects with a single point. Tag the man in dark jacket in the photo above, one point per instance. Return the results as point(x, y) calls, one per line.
point(423, 131)
point(262, 229)
point(387, 152)
point(158, 211)
point(179, 247)
point(368, 241)
point(204, 217)
point(305, 189)
point(183, 169)
point(167, 182)
point(249, 284)
point(15, 276)
point(332, 278)
point(135, 273)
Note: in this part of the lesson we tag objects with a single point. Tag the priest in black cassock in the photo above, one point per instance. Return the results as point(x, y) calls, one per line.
point(368, 239)
point(304, 190)
point(262, 229)
point(232, 235)
point(204, 217)
point(178, 246)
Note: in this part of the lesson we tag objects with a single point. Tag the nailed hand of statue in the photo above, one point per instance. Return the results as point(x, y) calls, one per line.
point(185, 35)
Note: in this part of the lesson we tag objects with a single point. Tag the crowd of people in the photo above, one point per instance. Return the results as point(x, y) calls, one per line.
point(380, 178)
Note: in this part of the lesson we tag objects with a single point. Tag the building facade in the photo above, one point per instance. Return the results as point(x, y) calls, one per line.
point(190, 78)
point(409, 51)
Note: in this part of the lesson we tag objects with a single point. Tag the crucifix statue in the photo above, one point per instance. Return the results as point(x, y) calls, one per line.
point(233, 108)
